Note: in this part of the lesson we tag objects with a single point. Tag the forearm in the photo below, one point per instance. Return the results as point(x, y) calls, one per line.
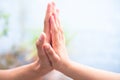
point(78, 71)
point(27, 72)
point(5, 75)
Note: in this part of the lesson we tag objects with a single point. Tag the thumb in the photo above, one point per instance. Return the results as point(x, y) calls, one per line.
point(39, 44)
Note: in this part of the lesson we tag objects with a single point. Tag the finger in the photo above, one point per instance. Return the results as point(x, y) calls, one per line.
point(57, 13)
point(46, 21)
point(53, 30)
point(53, 25)
point(57, 20)
point(53, 6)
point(48, 12)
point(53, 3)
point(40, 41)
point(39, 44)
point(54, 58)
point(59, 27)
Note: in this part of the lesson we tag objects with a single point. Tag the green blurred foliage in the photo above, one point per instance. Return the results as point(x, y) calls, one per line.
point(35, 33)
point(5, 17)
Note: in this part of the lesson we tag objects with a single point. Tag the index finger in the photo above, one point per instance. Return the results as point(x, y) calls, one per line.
point(49, 11)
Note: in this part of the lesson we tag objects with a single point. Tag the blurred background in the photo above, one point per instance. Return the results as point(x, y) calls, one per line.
point(91, 27)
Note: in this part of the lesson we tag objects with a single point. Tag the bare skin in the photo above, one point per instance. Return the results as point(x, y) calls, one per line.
point(41, 66)
point(58, 57)
point(52, 54)
point(57, 37)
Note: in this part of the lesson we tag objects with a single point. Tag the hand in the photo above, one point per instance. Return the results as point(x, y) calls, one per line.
point(56, 52)
point(43, 60)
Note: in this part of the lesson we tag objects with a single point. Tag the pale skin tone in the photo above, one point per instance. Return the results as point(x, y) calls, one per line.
point(52, 54)
point(58, 57)
point(41, 66)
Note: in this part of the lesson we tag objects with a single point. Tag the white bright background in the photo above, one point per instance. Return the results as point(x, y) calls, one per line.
point(95, 23)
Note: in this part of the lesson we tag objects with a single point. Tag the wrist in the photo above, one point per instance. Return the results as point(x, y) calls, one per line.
point(36, 66)
point(26, 72)
point(5, 75)
point(68, 69)
point(40, 69)
point(65, 66)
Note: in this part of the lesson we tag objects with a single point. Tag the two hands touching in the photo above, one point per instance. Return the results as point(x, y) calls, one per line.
point(51, 48)
point(52, 54)
point(55, 53)
point(51, 51)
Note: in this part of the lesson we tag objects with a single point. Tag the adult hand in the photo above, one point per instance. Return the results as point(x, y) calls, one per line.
point(56, 52)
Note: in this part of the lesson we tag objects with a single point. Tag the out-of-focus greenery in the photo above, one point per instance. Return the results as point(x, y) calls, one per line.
point(13, 57)
point(68, 38)
point(35, 33)
point(5, 17)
